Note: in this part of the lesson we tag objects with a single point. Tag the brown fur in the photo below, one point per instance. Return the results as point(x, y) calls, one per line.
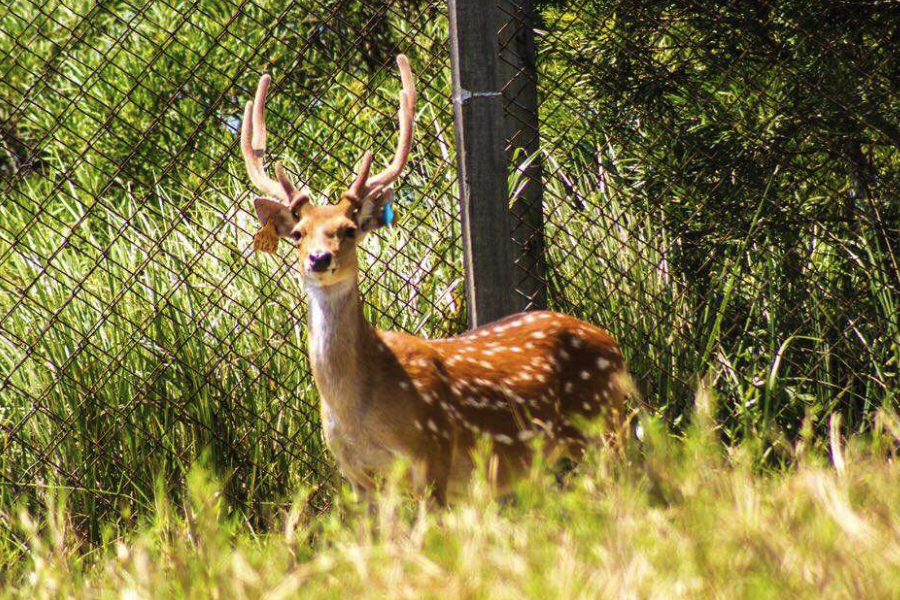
point(387, 394)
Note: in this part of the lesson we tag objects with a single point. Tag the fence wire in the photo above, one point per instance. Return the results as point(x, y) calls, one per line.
point(140, 333)
point(714, 185)
point(720, 191)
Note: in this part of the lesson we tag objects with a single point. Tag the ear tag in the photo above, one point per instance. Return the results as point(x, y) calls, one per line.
point(266, 239)
point(387, 214)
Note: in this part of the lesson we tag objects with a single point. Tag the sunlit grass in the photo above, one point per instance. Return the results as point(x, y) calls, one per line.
point(139, 332)
point(673, 518)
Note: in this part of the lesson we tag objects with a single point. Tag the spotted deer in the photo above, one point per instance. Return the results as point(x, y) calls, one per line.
point(386, 394)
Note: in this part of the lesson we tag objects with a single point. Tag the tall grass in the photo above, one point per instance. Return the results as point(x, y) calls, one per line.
point(139, 334)
point(772, 353)
point(671, 519)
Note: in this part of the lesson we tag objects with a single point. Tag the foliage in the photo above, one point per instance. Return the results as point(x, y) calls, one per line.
point(752, 150)
point(710, 199)
point(140, 332)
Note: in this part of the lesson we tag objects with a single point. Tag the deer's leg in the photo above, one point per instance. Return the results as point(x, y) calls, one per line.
point(432, 472)
point(363, 486)
point(573, 442)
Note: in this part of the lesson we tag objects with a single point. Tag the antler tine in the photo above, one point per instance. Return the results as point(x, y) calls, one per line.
point(253, 147)
point(404, 139)
point(360, 186)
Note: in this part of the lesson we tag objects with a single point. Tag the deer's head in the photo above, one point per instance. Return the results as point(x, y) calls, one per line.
point(325, 236)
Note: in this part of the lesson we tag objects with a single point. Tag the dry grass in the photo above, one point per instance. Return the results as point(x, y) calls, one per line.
point(676, 518)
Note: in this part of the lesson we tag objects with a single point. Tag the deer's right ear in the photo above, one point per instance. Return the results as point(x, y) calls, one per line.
point(277, 213)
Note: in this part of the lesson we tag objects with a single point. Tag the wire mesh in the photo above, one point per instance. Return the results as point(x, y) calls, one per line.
point(140, 333)
point(715, 185)
point(719, 190)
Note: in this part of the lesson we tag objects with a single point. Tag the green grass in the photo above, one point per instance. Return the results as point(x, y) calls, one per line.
point(139, 333)
point(139, 329)
point(672, 518)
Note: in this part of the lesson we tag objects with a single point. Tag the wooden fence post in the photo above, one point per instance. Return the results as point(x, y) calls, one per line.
point(480, 141)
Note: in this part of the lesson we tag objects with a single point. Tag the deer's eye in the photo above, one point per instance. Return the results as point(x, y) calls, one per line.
point(350, 232)
point(296, 235)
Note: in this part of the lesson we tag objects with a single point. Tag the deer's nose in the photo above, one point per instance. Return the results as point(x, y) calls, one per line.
point(319, 262)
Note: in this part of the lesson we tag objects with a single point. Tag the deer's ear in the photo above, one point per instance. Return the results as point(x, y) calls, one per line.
point(376, 211)
point(276, 212)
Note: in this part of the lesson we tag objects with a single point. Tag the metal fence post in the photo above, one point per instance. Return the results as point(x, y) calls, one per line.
point(503, 251)
point(518, 72)
point(478, 112)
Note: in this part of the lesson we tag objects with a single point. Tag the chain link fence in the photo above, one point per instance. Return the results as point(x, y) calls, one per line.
point(140, 333)
point(715, 185)
point(720, 190)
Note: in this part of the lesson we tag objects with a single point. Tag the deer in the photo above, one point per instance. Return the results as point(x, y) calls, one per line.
point(389, 394)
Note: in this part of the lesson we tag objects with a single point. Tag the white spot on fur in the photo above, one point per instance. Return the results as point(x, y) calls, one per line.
point(569, 387)
point(538, 335)
point(576, 342)
point(585, 375)
point(486, 364)
point(432, 426)
point(404, 385)
point(564, 355)
point(586, 405)
point(503, 439)
point(418, 425)
point(515, 349)
point(525, 435)
point(602, 363)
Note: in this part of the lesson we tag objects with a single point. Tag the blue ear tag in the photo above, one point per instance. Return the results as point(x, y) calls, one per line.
point(387, 214)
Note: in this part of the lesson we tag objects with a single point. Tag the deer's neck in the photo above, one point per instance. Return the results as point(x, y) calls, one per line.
point(340, 340)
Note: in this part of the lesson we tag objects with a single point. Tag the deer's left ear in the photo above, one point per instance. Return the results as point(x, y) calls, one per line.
point(276, 213)
point(377, 210)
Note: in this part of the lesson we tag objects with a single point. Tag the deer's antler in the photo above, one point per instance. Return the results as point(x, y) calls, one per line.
point(364, 185)
point(253, 147)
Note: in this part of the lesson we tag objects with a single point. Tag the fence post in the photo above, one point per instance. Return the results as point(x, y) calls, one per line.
point(518, 72)
point(480, 141)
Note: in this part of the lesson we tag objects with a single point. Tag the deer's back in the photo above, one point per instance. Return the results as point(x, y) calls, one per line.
point(528, 375)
